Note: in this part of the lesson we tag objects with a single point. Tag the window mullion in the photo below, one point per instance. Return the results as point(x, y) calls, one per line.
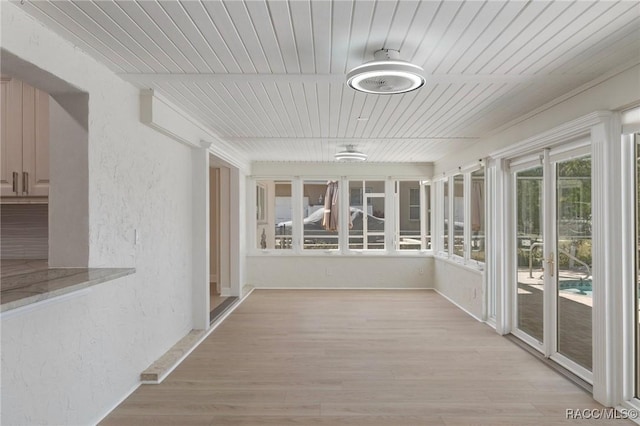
point(466, 253)
point(296, 221)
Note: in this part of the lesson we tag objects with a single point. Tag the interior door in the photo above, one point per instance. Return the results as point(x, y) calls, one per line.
point(551, 256)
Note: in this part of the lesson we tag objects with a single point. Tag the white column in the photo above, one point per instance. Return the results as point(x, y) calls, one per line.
point(628, 246)
point(499, 223)
point(607, 260)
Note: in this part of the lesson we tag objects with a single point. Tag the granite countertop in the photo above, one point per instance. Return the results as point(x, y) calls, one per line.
point(23, 289)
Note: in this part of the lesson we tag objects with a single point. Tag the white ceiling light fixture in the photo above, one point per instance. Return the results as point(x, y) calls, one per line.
point(350, 154)
point(387, 74)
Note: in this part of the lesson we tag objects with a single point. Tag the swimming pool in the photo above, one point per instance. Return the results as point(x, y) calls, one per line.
point(576, 286)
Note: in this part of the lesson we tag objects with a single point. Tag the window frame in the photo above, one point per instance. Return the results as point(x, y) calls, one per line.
point(262, 183)
point(452, 217)
point(391, 205)
point(449, 179)
point(469, 229)
point(412, 219)
point(301, 234)
point(422, 209)
point(385, 196)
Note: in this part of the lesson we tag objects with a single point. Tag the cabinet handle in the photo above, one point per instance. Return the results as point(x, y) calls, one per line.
point(25, 182)
point(15, 182)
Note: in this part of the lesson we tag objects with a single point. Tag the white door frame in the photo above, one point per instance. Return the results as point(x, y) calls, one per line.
point(548, 159)
point(603, 129)
point(230, 236)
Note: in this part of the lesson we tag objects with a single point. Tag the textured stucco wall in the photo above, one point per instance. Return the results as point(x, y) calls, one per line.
point(70, 361)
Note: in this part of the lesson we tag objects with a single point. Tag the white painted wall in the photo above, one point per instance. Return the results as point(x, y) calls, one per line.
point(70, 362)
point(617, 92)
point(461, 285)
point(358, 271)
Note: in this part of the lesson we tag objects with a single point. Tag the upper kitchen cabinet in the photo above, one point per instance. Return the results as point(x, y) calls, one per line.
point(25, 142)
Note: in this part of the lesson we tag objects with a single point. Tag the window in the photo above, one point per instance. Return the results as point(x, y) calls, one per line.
point(414, 203)
point(462, 224)
point(477, 216)
point(261, 199)
point(458, 215)
point(408, 220)
point(445, 216)
point(273, 215)
point(304, 215)
point(427, 217)
point(366, 212)
point(320, 215)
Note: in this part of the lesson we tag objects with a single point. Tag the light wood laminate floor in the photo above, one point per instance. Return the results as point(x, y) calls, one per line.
point(341, 357)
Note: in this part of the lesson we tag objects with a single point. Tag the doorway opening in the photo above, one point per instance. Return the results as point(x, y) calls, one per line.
point(221, 296)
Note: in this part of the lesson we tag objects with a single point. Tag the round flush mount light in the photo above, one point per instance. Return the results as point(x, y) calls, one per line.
point(386, 75)
point(350, 154)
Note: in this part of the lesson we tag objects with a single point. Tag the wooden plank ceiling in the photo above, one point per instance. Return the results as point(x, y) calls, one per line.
point(268, 76)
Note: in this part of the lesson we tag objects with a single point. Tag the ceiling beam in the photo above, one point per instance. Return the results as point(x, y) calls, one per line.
point(146, 79)
point(350, 140)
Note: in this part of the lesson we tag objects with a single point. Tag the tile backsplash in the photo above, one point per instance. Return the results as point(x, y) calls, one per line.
point(24, 231)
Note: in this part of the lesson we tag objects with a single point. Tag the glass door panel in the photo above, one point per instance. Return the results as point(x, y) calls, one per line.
point(573, 260)
point(529, 252)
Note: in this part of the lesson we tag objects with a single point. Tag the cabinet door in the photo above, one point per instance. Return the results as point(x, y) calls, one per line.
point(35, 142)
point(11, 137)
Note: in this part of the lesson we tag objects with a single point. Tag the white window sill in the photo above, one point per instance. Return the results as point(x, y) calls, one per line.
point(470, 265)
point(336, 253)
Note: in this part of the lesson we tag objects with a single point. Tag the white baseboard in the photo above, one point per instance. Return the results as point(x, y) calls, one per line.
point(458, 305)
point(340, 288)
point(103, 415)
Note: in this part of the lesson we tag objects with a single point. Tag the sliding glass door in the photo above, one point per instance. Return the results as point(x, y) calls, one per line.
point(574, 297)
point(551, 256)
point(529, 252)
